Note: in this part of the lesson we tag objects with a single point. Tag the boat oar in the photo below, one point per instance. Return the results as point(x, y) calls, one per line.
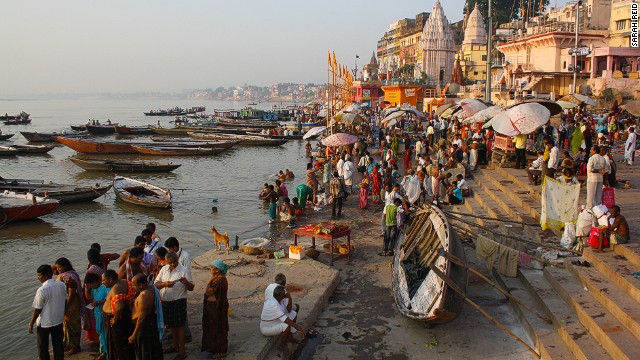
point(457, 289)
point(460, 262)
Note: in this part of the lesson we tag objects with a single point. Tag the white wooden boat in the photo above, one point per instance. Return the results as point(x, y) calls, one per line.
point(141, 193)
point(418, 291)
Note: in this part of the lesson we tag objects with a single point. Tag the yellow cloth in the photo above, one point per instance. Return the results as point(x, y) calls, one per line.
point(520, 141)
point(486, 249)
point(508, 261)
point(546, 155)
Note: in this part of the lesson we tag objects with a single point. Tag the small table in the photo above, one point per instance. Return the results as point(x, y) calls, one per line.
point(330, 237)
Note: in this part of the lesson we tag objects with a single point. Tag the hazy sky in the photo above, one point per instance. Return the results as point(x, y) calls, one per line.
point(79, 46)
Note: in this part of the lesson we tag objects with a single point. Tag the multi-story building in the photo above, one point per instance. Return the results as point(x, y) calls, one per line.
point(398, 48)
point(537, 56)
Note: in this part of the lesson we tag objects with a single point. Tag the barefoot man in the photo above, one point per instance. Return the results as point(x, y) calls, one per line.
point(145, 337)
point(117, 317)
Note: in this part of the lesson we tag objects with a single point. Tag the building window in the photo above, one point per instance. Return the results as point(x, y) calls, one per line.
point(475, 73)
point(484, 57)
point(564, 65)
point(621, 24)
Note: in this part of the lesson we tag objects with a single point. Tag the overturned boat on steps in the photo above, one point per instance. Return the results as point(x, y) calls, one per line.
point(420, 293)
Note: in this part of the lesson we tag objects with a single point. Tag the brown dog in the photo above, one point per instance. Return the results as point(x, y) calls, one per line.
point(220, 238)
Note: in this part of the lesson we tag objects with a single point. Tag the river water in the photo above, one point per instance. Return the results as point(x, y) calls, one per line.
point(234, 178)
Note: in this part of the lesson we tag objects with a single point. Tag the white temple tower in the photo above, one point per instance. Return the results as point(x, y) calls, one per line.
point(438, 50)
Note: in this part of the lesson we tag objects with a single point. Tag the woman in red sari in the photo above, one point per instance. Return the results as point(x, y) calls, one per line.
point(375, 185)
point(407, 158)
point(364, 191)
point(215, 314)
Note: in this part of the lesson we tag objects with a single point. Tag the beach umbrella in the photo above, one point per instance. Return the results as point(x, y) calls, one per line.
point(393, 117)
point(451, 111)
point(415, 112)
point(323, 113)
point(339, 139)
point(352, 118)
point(488, 124)
point(389, 110)
point(351, 108)
point(484, 115)
point(632, 107)
point(521, 119)
point(471, 106)
point(554, 108)
point(579, 98)
point(314, 132)
point(566, 104)
point(444, 107)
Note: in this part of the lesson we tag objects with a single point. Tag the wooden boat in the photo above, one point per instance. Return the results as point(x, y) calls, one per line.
point(80, 127)
point(171, 131)
point(418, 290)
point(195, 143)
point(177, 151)
point(7, 151)
point(21, 121)
point(141, 193)
point(133, 130)
point(108, 129)
point(245, 140)
point(5, 136)
point(96, 146)
point(62, 192)
point(258, 124)
point(14, 207)
point(270, 136)
point(14, 117)
point(51, 137)
point(33, 149)
point(123, 166)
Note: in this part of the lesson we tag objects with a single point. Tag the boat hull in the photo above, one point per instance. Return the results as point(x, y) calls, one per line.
point(177, 151)
point(5, 136)
point(96, 147)
point(62, 192)
point(244, 141)
point(101, 129)
point(120, 167)
point(16, 207)
point(127, 130)
point(33, 149)
point(156, 197)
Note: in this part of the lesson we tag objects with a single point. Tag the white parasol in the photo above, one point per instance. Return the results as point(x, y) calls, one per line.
point(339, 139)
point(471, 106)
point(314, 132)
point(393, 116)
point(484, 115)
point(522, 119)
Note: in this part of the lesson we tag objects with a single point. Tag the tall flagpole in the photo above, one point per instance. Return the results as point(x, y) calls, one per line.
point(487, 90)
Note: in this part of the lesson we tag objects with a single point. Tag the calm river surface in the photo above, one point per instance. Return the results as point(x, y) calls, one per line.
point(234, 178)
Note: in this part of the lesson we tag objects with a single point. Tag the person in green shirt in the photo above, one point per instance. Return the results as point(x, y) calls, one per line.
point(391, 230)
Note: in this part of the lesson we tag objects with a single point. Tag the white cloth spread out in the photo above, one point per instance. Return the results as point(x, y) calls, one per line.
point(559, 204)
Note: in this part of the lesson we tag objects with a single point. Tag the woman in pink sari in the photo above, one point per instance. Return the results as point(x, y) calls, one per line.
point(364, 191)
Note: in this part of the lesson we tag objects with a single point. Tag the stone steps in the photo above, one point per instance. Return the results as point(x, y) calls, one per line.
point(520, 179)
point(543, 335)
point(501, 198)
point(614, 337)
point(516, 193)
point(569, 329)
point(614, 299)
point(616, 271)
point(630, 251)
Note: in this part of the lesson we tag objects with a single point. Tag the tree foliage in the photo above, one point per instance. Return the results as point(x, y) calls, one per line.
point(506, 10)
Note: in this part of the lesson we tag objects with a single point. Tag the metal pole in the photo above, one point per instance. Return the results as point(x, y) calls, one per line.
point(487, 91)
point(575, 55)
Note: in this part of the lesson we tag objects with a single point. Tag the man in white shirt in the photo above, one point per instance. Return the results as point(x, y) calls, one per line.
point(274, 320)
point(554, 158)
point(535, 170)
point(152, 245)
point(48, 314)
point(418, 149)
point(173, 282)
point(172, 244)
point(595, 169)
point(287, 303)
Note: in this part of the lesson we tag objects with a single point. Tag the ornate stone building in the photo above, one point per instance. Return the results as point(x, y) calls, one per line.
point(473, 53)
point(437, 47)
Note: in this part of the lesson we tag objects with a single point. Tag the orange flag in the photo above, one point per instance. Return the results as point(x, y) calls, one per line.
point(329, 52)
point(334, 64)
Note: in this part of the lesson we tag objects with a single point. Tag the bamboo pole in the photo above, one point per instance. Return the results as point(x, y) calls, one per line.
point(460, 262)
point(515, 238)
point(490, 218)
point(457, 289)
